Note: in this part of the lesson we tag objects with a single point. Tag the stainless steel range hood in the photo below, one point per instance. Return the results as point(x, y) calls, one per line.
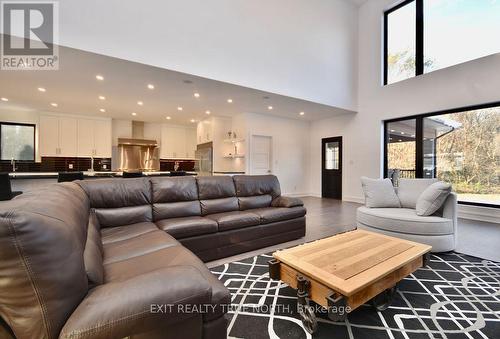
point(137, 153)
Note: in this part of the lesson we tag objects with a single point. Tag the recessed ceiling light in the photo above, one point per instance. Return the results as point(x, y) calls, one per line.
point(179, 108)
point(140, 103)
point(53, 104)
point(192, 120)
point(134, 114)
point(270, 107)
point(102, 97)
point(99, 77)
point(400, 140)
point(41, 89)
point(392, 130)
point(402, 132)
point(229, 100)
point(302, 113)
point(102, 110)
point(168, 118)
point(5, 99)
point(207, 112)
point(197, 95)
point(151, 86)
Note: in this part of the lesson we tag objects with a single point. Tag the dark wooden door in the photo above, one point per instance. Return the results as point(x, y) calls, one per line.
point(331, 167)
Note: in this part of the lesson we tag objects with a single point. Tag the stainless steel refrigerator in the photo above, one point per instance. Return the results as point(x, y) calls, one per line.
point(204, 159)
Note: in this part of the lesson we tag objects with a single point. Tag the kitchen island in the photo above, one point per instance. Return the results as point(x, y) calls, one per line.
point(27, 181)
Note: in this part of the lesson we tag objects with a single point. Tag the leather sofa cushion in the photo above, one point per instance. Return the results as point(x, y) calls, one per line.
point(139, 245)
point(215, 187)
point(122, 309)
point(164, 258)
point(251, 185)
point(112, 234)
point(187, 226)
point(235, 219)
point(258, 201)
point(42, 239)
point(273, 214)
point(404, 220)
point(282, 201)
point(92, 255)
point(213, 206)
point(115, 193)
point(112, 217)
point(176, 189)
point(176, 209)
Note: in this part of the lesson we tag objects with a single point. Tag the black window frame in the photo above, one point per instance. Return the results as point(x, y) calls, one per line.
point(419, 41)
point(34, 140)
point(419, 152)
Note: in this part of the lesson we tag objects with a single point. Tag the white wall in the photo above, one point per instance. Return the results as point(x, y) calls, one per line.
point(471, 83)
point(290, 149)
point(303, 49)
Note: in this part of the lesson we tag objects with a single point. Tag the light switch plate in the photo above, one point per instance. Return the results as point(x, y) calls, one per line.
point(70, 166)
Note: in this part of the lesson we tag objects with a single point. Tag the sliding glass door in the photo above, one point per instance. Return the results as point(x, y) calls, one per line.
point(459, 146)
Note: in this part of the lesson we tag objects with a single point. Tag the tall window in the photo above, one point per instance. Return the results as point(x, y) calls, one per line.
point(17, 141)
point(422, 36)
point(459, 146)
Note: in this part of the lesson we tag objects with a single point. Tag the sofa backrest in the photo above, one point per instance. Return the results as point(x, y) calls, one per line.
point(174, 197)
point(119, 202)
point(217, 194)
point(256, 191)
point(410, 189)
point(42, 273)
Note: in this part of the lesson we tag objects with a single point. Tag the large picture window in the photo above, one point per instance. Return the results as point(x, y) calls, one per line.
point(460, 146)
point(17, 142)
point(422, 36)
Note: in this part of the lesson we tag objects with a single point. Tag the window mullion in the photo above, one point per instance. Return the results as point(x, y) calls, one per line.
point(419, 48)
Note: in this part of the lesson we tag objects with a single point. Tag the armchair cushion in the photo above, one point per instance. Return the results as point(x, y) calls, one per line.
point(108, 312)
point(432, 198)
point(379, 193)
point(410, 189)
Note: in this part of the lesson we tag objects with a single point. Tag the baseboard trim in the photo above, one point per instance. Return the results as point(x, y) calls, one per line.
point(359, 200)
point(296, 194)
point(479, 213)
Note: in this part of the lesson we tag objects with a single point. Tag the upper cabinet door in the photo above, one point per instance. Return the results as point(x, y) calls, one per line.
point(68, 141)
point(102, 138)
point(190, 142)
point(86, 138)
point(49, 136)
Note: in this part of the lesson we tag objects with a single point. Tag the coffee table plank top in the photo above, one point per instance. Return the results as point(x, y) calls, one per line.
point(353, 260)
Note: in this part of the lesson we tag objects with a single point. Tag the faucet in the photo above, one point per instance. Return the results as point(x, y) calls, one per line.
point(13, 163)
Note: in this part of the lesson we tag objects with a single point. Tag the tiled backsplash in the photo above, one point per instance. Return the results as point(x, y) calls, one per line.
point(58, 164)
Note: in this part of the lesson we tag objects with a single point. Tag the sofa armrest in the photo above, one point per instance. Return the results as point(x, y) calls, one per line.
point(140, 304)
point(282, 201)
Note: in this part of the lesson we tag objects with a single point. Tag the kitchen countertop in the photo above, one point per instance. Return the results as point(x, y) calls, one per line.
point(95, 174)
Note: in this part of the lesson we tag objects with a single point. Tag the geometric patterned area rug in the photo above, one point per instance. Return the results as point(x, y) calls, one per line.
point(456, 297)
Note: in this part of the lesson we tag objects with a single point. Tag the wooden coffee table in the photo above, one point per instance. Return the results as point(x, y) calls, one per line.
point(345, 271)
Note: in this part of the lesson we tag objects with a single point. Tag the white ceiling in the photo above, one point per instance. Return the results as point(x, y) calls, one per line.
point(75, 89)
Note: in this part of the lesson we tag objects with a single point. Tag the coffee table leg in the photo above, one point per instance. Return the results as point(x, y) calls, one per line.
point(337, 307)
point(382, 301)
point(306, 311)
point(274, 269)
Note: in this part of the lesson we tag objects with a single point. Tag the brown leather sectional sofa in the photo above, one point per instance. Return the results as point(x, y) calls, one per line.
point(113, 258)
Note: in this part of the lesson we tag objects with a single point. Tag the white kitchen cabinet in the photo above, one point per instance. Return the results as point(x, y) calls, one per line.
point(204, 132)
point(49, 136)
point(190, 142)
point(58, 136)
point(94, 138)
point(177, 142)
